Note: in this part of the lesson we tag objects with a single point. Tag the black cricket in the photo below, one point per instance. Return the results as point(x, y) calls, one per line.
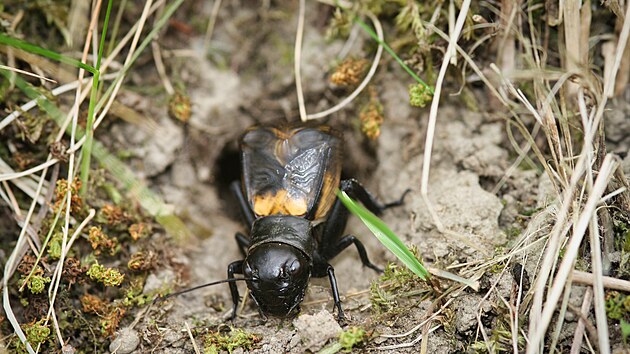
point(287, 194)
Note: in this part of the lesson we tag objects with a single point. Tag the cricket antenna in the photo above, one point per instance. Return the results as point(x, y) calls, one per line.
point(229, 280)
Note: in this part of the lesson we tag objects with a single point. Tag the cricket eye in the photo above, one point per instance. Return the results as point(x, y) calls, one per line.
point(296, 268)
point(249, 273)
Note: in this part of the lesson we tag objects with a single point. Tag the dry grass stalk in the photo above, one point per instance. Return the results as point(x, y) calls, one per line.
point(572, 40)
point(24, 72)
point(540, 323)
point(623, 76)
point(428, 146)
point(298, 59)
point(506, 56)
point(576, 346)
point(585, 31)
point(192, 338)
point(585, 278)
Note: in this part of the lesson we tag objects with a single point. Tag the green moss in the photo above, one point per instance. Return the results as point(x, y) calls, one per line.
point(215, 342)
point(622, 233)
point(36, 333)
point(55, 245)
point(340, 25)
point(107, 276)
point(396, 282)
point(419, 95)
point(179, 106)
point(513, 232)
point(36, 283)
point(625, 330)
point(351, 338)
point(530, 212)
point(134, 295)
point(617, 305)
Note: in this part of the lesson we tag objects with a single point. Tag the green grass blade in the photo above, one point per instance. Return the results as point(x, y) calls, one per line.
point(32, 48)
point(101, 46)
point(89, 141)
point(385, 235)
point(157, 27)
point(389, 50)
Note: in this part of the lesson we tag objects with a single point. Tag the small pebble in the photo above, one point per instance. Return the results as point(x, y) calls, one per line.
point(315, 330)
point(125, 342)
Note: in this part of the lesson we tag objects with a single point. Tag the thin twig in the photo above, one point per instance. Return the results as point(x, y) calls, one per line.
point(590, 329)
point(27, 73)
point(159, 65)
point(597, 266)
point(214, 13)
point(580, 277)
point(192, 338)
point(408, 344)
point(576, 345)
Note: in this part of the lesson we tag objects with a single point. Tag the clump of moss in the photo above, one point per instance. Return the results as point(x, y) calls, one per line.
point(36, 283)
point(348, 340)
point(55, 245)
point(371, 116)
point(109, 316)
point(107, 276)
point(179, 106)
point(76, 203)
point(111, 321)
point(396, 282)
point(618, 306)
point(340, 24)
point(349, 73)
point(72, 270)
point(31, 126)
point(141, 261)
point(381, 299)
point(134, 295)
point(93, 304)
point(352, 337)
point(99, 241)
point(419, 95)
point(36, 333)
point(32, 276)
point(139, 230)
point(112, 215)
point(215, 342)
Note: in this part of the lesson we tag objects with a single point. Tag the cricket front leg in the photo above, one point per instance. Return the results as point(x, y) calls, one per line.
point(234, 268)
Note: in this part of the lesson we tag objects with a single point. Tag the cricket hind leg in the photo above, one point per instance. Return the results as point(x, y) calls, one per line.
point(248, 214)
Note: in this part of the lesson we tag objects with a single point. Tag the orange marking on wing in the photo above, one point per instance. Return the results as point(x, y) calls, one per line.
point(263, 204)
point(295, 207)
point(279, 203)
point(327, 197)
